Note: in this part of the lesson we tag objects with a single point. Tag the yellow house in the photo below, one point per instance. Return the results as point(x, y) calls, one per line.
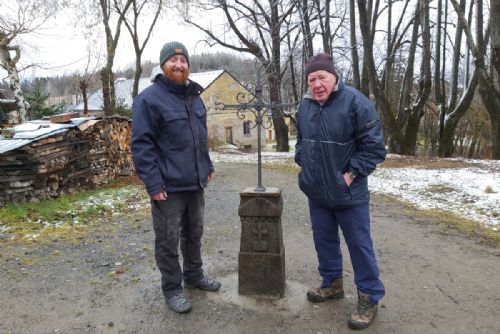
point(225, 125)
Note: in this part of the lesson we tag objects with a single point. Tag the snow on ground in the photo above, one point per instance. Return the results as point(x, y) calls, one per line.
point(470, 192)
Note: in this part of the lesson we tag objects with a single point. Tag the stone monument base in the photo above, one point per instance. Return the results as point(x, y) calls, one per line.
point(261, 274)
point(261, 260)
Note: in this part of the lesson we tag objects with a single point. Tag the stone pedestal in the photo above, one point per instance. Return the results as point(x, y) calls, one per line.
point(261, 261)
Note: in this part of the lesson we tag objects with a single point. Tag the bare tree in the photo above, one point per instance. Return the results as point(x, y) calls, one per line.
point(108, 8)
point(411, 109)
point(18, 18)
point(140, 8)
point(489, 91)
point(256, 28)
point(304, 11)
point(91, 67)
point(403, 124)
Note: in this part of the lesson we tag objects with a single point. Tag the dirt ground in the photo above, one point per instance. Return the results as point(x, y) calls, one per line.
point(106, 281)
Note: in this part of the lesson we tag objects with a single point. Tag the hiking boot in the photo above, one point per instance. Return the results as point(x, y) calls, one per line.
point(179, 303)
point(364, 314)
point(205, 284)
point(334, 291)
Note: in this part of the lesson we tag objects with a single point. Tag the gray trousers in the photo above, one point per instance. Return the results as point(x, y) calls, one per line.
point(179, 217)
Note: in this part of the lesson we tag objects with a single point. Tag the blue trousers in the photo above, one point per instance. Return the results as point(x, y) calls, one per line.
point(355, 225)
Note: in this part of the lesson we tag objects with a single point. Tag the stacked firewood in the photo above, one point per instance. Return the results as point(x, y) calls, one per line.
point(94, 153)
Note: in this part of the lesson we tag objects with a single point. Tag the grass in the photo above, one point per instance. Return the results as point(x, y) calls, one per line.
point(489, 190)
point(68, 214)
point(448, 221)
point(439, 188)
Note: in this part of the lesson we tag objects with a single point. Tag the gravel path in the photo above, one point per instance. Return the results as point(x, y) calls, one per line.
point(437, 281)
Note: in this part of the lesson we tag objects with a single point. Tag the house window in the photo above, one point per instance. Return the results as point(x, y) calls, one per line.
point(246, 128)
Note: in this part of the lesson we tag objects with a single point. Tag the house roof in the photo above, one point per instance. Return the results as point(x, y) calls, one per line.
point(123, 88)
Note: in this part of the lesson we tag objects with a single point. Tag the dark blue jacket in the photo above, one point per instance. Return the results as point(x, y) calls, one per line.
point(343, 134)
point(169, 137)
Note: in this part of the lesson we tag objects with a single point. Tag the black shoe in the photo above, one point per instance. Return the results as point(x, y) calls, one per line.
point(205, 284)
point(179, 303)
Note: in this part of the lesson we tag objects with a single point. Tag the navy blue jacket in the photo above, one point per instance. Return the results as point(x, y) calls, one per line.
point(343, 134)
point(169, 137)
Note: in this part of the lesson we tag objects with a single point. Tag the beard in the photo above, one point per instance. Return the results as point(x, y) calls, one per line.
point(177, 76)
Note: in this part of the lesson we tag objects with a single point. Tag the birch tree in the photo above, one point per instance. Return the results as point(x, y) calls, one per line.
point(17, 19)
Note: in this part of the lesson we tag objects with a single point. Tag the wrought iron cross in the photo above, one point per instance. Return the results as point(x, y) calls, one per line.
point(256, 106)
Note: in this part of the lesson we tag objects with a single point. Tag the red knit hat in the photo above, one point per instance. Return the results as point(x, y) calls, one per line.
point(321, 61)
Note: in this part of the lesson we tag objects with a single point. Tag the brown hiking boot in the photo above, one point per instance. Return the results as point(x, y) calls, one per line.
point(364, 314)
point(334, 291)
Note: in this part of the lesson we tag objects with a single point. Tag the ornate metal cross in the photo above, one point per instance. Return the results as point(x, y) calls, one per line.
point(257, 107)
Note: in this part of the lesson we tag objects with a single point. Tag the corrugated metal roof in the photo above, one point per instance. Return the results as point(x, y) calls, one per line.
point(123, 88)
point(33, 130)
point(9, 144)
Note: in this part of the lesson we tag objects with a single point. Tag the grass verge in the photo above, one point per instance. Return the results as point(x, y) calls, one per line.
point(68, 214)
point(447, 220)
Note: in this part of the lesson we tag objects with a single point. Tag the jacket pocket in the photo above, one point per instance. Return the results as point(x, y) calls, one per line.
point(173, 115)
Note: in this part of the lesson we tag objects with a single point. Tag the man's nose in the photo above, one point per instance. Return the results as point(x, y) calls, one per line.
point(179, 63)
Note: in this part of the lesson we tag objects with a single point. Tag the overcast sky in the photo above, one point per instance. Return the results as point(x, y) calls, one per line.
point(61, 47)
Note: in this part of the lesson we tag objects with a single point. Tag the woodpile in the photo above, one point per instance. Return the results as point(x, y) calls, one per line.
point(82, 157)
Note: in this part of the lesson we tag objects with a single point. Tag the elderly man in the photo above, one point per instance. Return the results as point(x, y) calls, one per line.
point(170, 152)
point(339, 143)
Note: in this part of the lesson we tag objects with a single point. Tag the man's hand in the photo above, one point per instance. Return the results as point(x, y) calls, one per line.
point(161, 196)
point(211, 176)
point(347, 178)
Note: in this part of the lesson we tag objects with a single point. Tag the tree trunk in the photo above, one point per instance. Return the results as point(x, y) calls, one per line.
point(107, 76)
point(137, 76)
point(446, 148)
point(108, 105)
point(132, 27)
point(417, 108)
point(456, 62)
point(495, 35)
point(9, 64)
point(394, 131)
point(306, 27)
point(491, 100)
point(83, 88)
point(354, 46)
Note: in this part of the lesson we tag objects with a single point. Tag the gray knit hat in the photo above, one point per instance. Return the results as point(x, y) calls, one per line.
point(321, 61)
point(173, 48)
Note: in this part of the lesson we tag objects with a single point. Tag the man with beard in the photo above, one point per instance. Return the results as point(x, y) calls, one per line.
point(170, 152)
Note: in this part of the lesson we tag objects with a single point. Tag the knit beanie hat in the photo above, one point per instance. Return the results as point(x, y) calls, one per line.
point(321, 61)
point(172, 48)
